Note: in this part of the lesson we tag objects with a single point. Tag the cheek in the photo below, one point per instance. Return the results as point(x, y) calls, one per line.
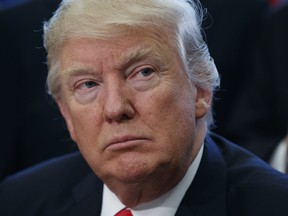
point(170, 105)
point(86, 125)
point(170, 114)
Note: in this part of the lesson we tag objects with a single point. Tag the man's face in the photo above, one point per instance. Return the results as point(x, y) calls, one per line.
point(130, 108)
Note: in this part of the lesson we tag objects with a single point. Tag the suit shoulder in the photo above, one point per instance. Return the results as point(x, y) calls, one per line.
point(45, 188)
point(245, 167)
point(47, 170)
point(47, 177)
point(252, 184)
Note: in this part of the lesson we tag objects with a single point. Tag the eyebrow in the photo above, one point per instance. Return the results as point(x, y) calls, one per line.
point(126, 60)
point(141, 53)
point(75, 71)
point(78, 70)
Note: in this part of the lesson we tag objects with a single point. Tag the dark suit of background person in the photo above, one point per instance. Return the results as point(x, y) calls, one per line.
point(234, 39)
point(10, 3)
point(221, 187)
point(265, 100)
point(32, 129)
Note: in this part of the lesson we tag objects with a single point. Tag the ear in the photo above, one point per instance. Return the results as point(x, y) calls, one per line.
point(67, 116)
point(203, 102)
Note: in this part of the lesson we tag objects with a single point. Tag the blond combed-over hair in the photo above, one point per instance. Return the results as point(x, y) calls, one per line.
point(178, 20)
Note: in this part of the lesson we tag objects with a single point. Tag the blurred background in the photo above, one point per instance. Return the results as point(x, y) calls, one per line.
point(248, 40)
point(10, 3)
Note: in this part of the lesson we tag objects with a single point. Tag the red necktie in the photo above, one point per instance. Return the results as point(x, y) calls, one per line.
point(124, 212)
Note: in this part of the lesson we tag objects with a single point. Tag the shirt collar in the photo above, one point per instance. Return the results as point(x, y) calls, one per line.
point(167, 204)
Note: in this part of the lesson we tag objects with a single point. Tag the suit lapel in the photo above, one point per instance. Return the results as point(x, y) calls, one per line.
point(207, 193)
point(88, 197)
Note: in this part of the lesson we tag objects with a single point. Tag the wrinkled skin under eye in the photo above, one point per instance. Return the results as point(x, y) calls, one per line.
point(144, 78)
point(85, 91)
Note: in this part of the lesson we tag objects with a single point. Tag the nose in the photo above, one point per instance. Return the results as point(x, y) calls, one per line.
point(117, 103)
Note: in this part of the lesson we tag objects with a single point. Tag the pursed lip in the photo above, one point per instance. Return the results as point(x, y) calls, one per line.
point(126, 141)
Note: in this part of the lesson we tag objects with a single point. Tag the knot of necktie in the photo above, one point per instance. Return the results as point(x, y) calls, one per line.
point(124, 212)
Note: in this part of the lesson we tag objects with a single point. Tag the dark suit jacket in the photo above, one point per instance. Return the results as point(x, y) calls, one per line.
point(229, 181)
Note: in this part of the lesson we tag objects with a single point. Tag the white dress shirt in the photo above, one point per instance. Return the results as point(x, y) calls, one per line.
point(278, 159)
point(167, 204)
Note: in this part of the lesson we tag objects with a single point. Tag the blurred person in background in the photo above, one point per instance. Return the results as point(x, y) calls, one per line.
point(33, 129)
point(265, 99)
point(4, 4)
point(233, 30)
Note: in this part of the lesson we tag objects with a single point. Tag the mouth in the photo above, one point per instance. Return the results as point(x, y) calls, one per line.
point(125, 143)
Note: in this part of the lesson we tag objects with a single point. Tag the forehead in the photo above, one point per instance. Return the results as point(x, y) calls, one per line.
point(121, 50)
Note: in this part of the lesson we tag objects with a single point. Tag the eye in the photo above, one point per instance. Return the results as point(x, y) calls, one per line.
point(144, 77)
point(86, 85)
point(89, 84)
point(146, 72)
